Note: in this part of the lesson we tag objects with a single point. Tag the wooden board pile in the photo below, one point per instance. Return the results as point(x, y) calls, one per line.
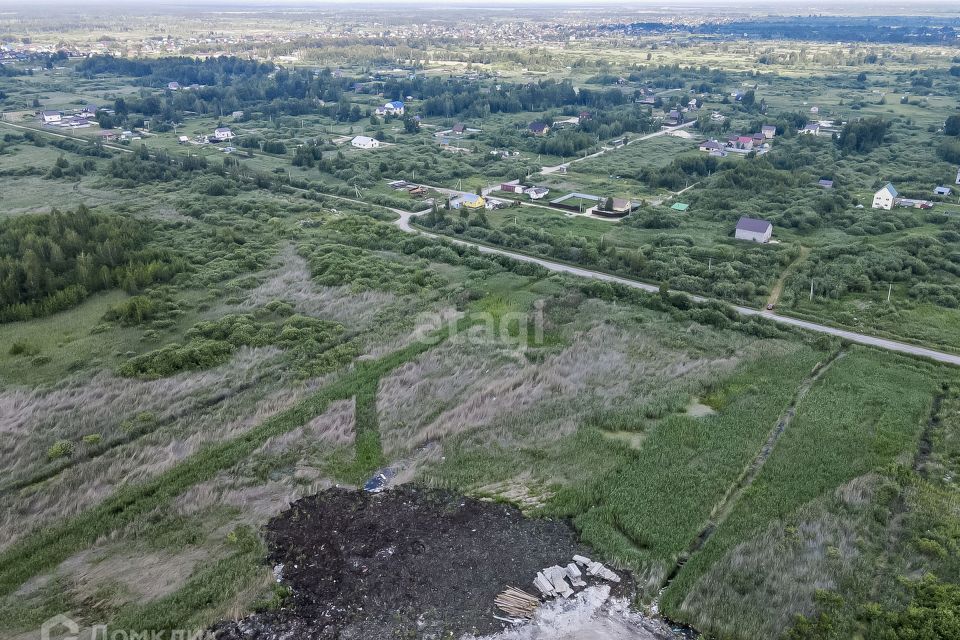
point(517, 603)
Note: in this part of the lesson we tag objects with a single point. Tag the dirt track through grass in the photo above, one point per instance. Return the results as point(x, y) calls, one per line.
point(726, 504)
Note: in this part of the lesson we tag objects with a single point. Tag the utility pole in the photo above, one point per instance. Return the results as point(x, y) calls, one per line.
point(811, 288)
point(889, 291)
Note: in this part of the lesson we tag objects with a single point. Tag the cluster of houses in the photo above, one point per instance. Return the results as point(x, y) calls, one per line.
point(888, 197)
point(80, 119)
point(535, 193)
point(757, 142)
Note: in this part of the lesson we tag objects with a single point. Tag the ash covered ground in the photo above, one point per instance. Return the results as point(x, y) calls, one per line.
point(407, 563)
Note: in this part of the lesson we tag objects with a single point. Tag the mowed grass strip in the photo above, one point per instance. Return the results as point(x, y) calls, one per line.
point(48, 547)
point(646, 512)
point(864, 414)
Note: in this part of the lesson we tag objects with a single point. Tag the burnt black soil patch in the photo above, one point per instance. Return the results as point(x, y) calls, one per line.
point(406, 563)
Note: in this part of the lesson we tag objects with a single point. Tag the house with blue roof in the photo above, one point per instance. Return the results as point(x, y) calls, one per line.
point(885, 198)
point(393, 108)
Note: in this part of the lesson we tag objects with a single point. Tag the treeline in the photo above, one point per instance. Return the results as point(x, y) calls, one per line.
point(51, 262)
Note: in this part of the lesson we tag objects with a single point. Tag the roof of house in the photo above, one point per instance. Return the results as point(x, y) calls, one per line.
point(538, 126)
point(710, 144)
point(825, 183)
point(680, 206)
point(753, 225)
point(50, 113)
point(943, 191)
point(362, 139)
point(768, 127)
point(470, 198)
point(537, 190)
point(811, 126)
point(459, 127)
point(745, 139)
point(396, 104)
point(222, 130)
point(890, 189)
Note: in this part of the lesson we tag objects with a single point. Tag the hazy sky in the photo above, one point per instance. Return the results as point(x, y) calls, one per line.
point(626, 8)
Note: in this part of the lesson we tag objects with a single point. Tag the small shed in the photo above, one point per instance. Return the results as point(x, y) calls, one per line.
point(942, 191)
point(826, 184)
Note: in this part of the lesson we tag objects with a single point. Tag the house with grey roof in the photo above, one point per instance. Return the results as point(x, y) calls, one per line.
point(754, 230)
point(885, 198)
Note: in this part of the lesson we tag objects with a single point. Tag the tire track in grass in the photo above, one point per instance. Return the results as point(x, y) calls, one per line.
point(729, 500)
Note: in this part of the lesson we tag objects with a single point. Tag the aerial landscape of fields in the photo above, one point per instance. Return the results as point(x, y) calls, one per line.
point(520, 322)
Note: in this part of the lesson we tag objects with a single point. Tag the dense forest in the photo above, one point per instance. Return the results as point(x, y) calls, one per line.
point(50, 262)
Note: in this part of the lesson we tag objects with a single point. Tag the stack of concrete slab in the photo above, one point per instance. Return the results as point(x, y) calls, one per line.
point(560, 581)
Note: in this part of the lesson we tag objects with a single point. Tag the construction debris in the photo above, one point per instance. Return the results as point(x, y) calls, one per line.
point(573, 573)
point(517, 603)
point(557, 577)
point(582, 561)
point(542, 583)
point(564, 581)
point(597, 569)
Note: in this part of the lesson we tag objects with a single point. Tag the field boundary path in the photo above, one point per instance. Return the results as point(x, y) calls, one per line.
point(777, 289)
point(724, 507)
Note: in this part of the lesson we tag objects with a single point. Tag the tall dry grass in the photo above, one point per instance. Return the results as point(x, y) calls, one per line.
point(186, 425)
point(291, 282)
point(467, 384)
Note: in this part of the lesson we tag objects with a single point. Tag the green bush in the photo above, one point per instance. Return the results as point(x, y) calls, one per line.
point(60, 449)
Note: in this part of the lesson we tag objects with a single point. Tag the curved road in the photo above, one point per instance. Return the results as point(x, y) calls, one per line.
point(403, 222)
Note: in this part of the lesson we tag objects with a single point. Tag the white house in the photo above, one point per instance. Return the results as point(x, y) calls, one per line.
point(49, 117)
point(394, 108)
point(365, 142)
point(536, 193)
point(811, 129)
point(173, 86)
point(753, 229)
point(222, 133)
point(885, 198)
point(769, 131)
